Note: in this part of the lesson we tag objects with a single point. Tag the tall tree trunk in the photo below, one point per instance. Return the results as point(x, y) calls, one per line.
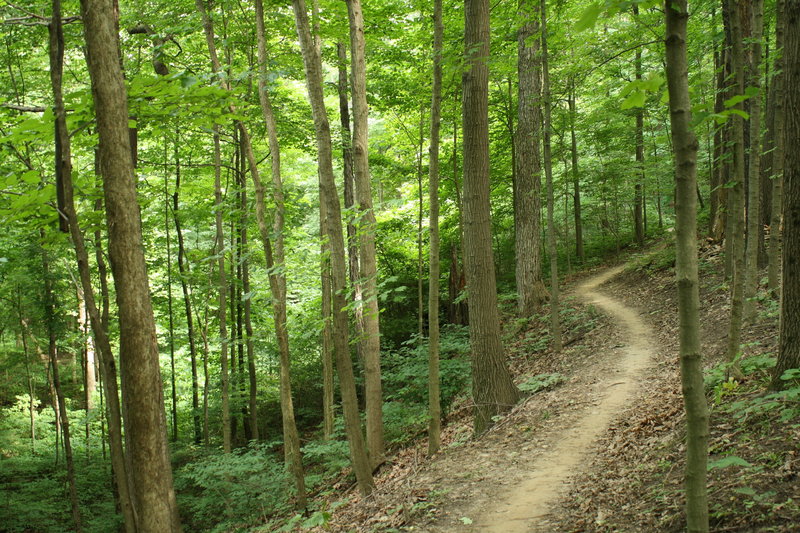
point(29, 378)
point(576, 180)
point(333, 224)
point(754, 172)
point(420, 244)
point(717, 195)
point(328, 415)
point(738, 15)
point(183, 270)
point(220, 238)
point(145, 423)
point(350, 198)
point(788, 344)
point(434, 393)
point(778, 156)
point(531, 292)
point(50, 318)
point(276, 263)
point(98, 321)
point(492, 389)
point(170, 313)
point(638, 195)
point(552, 247)
point(367, 255)
point(685, 149)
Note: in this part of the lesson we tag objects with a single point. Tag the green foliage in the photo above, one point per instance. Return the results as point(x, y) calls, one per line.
point(541, 382)
point(725, 462)
point(406, 369)
point(220, 492)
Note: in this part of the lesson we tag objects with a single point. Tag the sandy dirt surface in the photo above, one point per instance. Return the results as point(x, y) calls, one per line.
point(523, 505)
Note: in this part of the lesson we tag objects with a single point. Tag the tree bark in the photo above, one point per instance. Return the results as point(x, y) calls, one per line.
point(737, 16)
point(50, 317)
point(754, 171)
point(367, 254)
point(531, 293)
point(552, 247)
point(685, 148)
point(333, 224)
point(789, 344)
point(434, 389)
point(170, 313)
point(145, 421)
point(576, 180)
point(638, 196)
point(492, 389)
point(276, 264)
point(778, 156)
point(183, 271)
point(98, 321)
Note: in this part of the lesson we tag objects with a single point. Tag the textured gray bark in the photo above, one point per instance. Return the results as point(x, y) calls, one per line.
point(333, 224)
point(370, 340)
point(492, 389)
point(789, 343)
point(145, 422)
point(434, 395)
point(754, 170)
point(531, 293)
point(552, 247)
point(779, 89)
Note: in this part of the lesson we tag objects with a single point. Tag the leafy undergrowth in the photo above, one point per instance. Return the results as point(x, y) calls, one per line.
point(635, 479)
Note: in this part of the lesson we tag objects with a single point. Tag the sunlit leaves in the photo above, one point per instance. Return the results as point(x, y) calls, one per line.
point(609, 8)
point(636, 92)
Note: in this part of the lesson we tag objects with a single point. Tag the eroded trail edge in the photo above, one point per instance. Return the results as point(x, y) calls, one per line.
point(525, 504)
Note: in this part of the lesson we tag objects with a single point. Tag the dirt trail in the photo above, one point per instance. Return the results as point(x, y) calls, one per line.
point(524, 504)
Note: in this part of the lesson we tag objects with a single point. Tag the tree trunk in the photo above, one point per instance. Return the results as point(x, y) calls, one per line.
point(367, 255)
point(98, 322)
point(576, 181)
point(333, 224)
point(492, 389)
point(420, 244)
point(754, 172)
point(50, 317)
point(220, 249)
point(638, 196)
point(778, 156)
point(685, 149)
point(328, 415)
point(552, 247)
point(276, 263)
point(531, 293)
point(738, 15)
point(434, 389)
point(183, 270)
point(789, 344)
point(349, 198)
point(170, 313)
point(52, 352)
point(145, 422)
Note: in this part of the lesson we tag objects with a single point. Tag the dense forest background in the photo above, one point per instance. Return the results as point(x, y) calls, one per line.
point(248, 282)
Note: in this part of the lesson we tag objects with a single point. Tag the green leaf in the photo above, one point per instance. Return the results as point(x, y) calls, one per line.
point(589, 17)
point(792, 373)
point(731, 460)
point(30, 177)
point(635, 99)
point(466, 520)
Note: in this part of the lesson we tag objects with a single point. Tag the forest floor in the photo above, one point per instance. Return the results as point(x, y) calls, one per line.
point(600, 449)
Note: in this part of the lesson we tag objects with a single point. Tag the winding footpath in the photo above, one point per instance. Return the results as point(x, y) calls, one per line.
point(524, 505)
